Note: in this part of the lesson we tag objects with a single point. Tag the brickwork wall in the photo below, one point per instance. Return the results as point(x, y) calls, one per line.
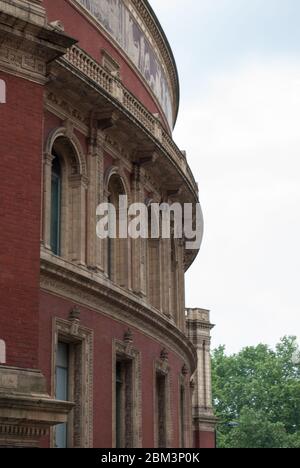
point(21, 126)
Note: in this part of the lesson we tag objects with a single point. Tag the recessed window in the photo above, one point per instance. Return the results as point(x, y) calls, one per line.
point(72, 382)
point(161, 406)
point(182, 415)
point(55, 231)
point(124, 404)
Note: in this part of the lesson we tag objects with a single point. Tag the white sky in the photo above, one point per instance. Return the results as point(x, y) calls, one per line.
point(239, 120)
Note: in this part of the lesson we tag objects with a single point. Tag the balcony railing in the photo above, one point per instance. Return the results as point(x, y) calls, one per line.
point(112, 85)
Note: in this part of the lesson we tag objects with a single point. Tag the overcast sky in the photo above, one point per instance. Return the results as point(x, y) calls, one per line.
point(239, 121)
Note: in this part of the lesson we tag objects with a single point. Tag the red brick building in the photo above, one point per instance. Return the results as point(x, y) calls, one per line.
point(96, 347)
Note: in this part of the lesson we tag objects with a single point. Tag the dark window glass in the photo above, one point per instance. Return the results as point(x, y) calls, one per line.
point(119, 385)
point(161, 410)
point(55, 206)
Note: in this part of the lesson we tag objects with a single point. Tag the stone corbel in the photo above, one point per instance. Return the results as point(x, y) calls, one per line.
point(146, 158)
point(106, 120)
point(68, 125)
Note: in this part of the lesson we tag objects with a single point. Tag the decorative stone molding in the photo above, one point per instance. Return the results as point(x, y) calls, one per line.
point(117, 170)
point(185, 370)
point(64, 110)
point(128, 337)
point(74, 186)
point(94, 291)
point(89, 67)
point(67, 131)
point(81, 419)
point(26, 410)
point(22, 64)
point(162, 368)
point(135, 119)
point(198, 331)
point(23, 51)
point(164, 355)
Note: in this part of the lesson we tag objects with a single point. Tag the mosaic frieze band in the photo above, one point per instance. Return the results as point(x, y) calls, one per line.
point(117, 20)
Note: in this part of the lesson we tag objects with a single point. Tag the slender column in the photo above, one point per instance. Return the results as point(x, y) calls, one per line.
point(48, 159)
point(77, 212)
point(181, 286)
point(92, 199)
point(101, 197)
point(166, 276)
point(138, 246)
point(198, 329)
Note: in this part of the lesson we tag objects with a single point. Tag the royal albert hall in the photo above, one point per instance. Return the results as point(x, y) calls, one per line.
point(97, 348)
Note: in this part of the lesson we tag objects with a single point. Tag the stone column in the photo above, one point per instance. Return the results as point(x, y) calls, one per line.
point(165, 265)
point(181, 286)
point(198, 331)
point(138, 246)
point(92, 199)
point(48, 159)
point(101, 197)
point(77, 214)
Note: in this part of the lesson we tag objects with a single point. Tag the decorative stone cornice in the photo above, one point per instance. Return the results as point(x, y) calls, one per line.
point(95, 73)
point(26, 410)
point(28, 43)
point(93, 291)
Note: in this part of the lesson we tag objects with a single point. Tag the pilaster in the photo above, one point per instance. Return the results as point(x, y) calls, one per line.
point(204, 421)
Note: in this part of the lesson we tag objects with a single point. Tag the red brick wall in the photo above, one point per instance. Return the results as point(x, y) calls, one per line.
point(204, 440)
point(21, 125)
point(105, 330)
point(91, 40)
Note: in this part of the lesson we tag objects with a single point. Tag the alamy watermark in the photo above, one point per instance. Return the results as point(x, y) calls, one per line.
point(137, 220)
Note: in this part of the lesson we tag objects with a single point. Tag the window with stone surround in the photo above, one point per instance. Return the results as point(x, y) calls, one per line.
point(127, 407)
point(64, 198)
point(72, 374)
point(162, 403)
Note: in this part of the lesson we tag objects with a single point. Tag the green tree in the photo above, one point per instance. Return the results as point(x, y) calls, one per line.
point(257, 396)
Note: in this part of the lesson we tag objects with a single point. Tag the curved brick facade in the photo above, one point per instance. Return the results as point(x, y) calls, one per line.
point(77, 106)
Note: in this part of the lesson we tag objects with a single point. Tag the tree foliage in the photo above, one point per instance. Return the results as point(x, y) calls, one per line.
point(257, 396)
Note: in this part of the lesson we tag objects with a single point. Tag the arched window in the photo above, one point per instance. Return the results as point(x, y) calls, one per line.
point(56, 186)
point(65, 186)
